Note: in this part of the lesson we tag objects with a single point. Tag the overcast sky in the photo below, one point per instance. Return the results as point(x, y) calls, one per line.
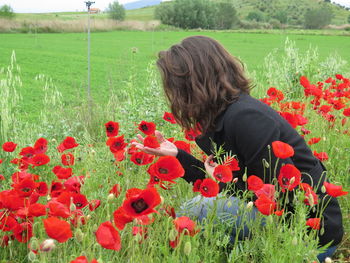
point(36, 6)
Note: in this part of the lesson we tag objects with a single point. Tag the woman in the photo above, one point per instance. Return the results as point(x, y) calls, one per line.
point(207, 89)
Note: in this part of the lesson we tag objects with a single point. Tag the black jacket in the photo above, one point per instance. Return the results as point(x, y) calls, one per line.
point(246, 129)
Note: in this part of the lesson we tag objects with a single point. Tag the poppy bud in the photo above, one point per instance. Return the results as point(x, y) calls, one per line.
point(294, 241)
point(322, 231)
point(250, 205)
point(172, 235)
point(292, 180)
point(311, 200)
point(34, 244)
point(187, 248)
point(245, 177)
point(110, 198)
point(266, 164)
point(328, 260)
point(229, 204)
point(72, 207)
point(235, 180)
point(161, 200)
point(47, 245)
point(31, 256)
point(79, 236)
point(323, 189)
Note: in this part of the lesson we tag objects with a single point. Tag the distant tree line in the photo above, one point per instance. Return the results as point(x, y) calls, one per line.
point(6, 11)
point(204, 14)
point(116, 11)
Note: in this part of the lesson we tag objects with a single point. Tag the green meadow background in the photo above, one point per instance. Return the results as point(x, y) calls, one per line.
point(118, 55)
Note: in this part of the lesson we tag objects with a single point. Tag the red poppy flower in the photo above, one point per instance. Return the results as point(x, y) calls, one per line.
point(289, 177)
point(151, 142)
point(166, 168)
point(322, 156)
point(73, 184)
point(254, 183)
point(339, 76)
point(314, 223)
point(121, 218)
point(141, 158)
point(23, 232)
point(25, 187)
point(197, 185)
point(232, 162)
point(290, 118)
point(279, 212)
point(223, 173)
point(57, 229)
point(39, 159)
point(7, 223)
point(325, 109)
point(58, 209)
point(108, 237)
point(147, 128)
point(272, 92)
point(112, 128)
point(311, 197)
point(169, 117)
point(79, 200)
point(305, 131)
point(27, 152)
point(61, 172)
point(67, 159)
point(183, 146)
point(83, 259)
point(191, 134)
point(268, 190)
point(37, 210)
point(40, 146)
point(282, 150)
point(209, 188)
point(142, 203)
point(183, 222)
point(304, 82)
point(67, 143)
point(313, 141)
point(346, 112)
point(265, 205)
point(334, 190)
point(2, 177)
point(9, 146)
point(116, 143)
point(119, 155)
point(94, 204)
point(115, 190)
point(41, 188)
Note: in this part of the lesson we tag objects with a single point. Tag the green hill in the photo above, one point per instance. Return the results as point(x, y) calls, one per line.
point(294, 10)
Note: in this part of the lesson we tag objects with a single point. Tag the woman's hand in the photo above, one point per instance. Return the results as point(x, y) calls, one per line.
point(210, 166)
point(166, 148)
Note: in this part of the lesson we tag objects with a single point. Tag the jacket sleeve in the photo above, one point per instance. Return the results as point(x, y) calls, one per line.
point(194, 169)
point(252, 132)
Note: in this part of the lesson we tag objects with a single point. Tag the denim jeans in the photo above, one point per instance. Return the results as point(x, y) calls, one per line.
point(200, 207)
point(227, 211)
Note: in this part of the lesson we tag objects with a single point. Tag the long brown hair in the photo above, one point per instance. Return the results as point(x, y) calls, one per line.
point(200, 80)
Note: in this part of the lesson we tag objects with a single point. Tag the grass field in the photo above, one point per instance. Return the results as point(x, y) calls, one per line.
point(63, 57)
point(126, 88)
